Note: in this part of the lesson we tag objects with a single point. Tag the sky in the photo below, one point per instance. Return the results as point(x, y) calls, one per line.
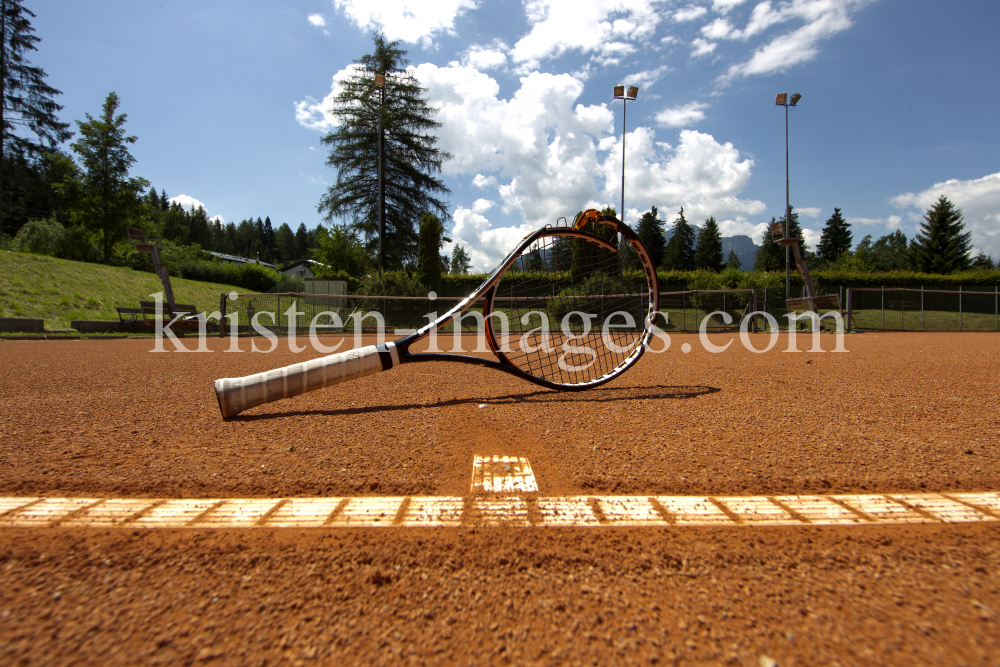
point(229, 101)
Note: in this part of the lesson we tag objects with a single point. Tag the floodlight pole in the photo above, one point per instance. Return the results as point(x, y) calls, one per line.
point(380, 84)
point(783, 100)
point(788, 215)
point(625, 97)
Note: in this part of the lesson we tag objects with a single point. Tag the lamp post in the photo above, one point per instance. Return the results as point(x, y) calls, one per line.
point(782, 100)
point(380, 84)
point(625, 97)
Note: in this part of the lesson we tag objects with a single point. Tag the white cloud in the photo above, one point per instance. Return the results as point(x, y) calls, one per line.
point(808, 211)
point(316, 115)
point(743, 227)
point(718, 29)
point(892, 222)
point(688, 114)
point(979, 201)
point(823, 19)
point(689, 13)
point(536, 148)
point(186, 202)
point(407, 20)
point(485, 244)
point(723, 6)
point(317, 20)
point(482, 205)
point(646, 77)
point(483, 57)
point(701, 47)
point(561, 25)
point(700, 174)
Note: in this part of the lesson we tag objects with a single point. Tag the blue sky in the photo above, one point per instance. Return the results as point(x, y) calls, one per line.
point(227, 98)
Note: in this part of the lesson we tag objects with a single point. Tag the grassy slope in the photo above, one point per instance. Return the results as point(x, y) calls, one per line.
point(58, 290)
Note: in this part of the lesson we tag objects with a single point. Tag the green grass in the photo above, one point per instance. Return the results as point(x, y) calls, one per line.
point(58, 290)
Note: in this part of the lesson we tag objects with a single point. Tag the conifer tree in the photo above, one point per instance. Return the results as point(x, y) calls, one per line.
point(678, 255)
point(111, 197)
point(410, 157)
point(708, 251)
point(650, 232)
point(734, 261)
point(942, 245)
point(836, 238)
point(460, 262)
point(28, 123)
point(429, 249)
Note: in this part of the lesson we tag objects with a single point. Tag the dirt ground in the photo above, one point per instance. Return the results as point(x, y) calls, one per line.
point(898, 412)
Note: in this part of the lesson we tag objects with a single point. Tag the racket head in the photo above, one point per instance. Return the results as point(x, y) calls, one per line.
point(572, 307)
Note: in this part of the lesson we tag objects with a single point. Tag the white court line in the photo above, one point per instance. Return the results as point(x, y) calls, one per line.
point(502, 474)
point(512, 510)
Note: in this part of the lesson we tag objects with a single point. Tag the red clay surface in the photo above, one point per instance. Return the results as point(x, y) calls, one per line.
point(899, 412)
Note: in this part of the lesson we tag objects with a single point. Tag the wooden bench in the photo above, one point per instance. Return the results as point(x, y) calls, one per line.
point(129, 317)
point(148, 309)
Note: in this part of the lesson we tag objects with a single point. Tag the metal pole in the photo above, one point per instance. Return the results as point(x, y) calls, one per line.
point(996, 307)
point(621, 214)
point(381, 185)
point(921, 307)
point(960, 308)
point(883, 307)
point(788, 214)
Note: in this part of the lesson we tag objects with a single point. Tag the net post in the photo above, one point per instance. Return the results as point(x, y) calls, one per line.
point(883, 307)
point(921, 307)
point(959, 307)
point(753, 296)
point(222, 317)
point(849, 308)
point(996, 307)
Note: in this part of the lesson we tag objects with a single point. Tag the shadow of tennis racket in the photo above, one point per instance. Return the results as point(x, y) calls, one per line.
point(598, 395)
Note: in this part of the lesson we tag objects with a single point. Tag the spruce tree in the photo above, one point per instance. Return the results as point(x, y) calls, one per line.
point(734, 261)
point(708, 251)
point(650, 232)
point(836, 238)
point(410, 157)
point(111, 198)
point(678, 255)
point(28, 124)
point(942, 245)
point(460, 262)
point(770, 255)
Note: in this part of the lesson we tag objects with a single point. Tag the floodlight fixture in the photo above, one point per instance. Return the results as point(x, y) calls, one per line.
point(633, 92)
point(619, 92)
point(380, 80)
point(781, 99)
point(795, 99)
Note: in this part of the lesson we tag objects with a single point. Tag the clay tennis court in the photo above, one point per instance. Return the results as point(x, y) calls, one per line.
point(909, 420)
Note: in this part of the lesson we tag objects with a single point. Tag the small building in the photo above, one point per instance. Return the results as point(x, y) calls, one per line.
point(306, 281)
point(236, 259)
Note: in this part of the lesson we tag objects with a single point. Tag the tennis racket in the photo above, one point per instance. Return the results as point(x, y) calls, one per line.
point(569, 308)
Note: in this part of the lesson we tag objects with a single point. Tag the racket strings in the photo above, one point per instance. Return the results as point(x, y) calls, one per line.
point(573, 309)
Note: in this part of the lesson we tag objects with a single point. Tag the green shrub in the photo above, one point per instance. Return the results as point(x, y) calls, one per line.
point(251, 277)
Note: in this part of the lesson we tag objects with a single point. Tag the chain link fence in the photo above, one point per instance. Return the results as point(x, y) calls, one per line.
point(904, 309)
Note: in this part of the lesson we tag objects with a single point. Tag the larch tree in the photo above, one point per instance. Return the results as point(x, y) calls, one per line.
point(410, 155)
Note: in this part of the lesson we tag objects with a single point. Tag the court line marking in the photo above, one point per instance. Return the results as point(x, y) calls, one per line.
point(433, 511)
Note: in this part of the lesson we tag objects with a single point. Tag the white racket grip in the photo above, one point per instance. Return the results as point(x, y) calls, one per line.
point(238, 394)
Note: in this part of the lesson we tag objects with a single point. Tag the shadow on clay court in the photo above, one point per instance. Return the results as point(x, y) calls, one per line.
point(598, 395)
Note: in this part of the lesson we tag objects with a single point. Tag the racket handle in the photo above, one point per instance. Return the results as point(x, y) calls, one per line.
point(238, 394)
